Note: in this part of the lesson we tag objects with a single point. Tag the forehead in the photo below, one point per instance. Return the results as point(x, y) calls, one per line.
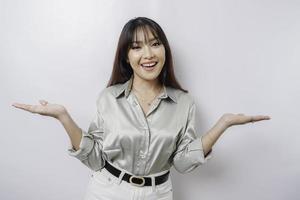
point(144, 34)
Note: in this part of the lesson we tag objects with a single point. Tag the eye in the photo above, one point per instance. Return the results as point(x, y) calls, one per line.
point(156, 44)
point(135, 47)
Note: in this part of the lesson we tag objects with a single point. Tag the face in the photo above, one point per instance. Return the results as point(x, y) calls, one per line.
point(146, 56)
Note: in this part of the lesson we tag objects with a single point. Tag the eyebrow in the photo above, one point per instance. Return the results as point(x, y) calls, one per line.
point(150, 40)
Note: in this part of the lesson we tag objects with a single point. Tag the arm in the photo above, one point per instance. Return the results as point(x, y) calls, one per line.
point(74, 132)
point(58, 112)
point(227, 120)
point(191, 152)
point(86, 146)
point(210, 138)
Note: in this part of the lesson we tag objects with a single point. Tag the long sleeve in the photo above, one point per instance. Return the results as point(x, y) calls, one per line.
point(91, 145)
point(189, 152)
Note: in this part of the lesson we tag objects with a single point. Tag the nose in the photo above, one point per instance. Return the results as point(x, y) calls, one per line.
point(148, 52)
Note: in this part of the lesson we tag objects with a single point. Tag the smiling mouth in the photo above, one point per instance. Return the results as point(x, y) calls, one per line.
point(149, 65)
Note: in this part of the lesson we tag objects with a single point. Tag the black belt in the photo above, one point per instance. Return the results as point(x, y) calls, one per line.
point(136, 180)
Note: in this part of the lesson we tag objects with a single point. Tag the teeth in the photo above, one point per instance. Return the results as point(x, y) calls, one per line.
point(149, 64)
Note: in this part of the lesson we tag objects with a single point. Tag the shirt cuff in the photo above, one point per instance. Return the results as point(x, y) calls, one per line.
point(197, 148)
point(85, 146)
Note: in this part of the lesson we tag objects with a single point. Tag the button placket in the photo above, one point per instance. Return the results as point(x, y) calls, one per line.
point(144, 145)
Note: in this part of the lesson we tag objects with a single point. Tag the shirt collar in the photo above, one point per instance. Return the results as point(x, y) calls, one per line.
point(126, 88)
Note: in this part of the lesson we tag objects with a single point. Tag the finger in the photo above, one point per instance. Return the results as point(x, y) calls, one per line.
point(260, 118)
point(23, 106)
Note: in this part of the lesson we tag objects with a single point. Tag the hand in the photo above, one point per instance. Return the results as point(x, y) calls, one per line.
point(236, 119)
point(52, 110)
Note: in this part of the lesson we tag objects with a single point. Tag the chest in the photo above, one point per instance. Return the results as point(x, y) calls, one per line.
point(126, 127)
point(145, 107)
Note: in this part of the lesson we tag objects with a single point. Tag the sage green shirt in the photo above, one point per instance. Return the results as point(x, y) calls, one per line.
point(142, 144)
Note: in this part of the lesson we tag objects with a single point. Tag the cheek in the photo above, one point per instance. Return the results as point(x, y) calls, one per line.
point(134, 64)
point(162, 54)
point(133, 58)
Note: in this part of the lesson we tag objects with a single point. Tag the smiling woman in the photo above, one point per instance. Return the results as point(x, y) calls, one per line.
point(146, 56)
point(144, 125)
point(146, 53)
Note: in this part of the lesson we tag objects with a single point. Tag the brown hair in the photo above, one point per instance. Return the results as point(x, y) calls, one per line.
point(122, 70)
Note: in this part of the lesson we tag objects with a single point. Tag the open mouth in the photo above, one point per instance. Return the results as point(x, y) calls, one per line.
point(149, 66)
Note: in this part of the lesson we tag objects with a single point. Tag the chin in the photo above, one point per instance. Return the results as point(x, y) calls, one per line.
point(149, 77)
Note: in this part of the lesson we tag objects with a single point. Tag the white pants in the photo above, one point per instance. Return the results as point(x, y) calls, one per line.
point(105, 186)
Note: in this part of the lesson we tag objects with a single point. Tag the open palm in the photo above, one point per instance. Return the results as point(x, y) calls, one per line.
point(45, 108)
point(238, 119)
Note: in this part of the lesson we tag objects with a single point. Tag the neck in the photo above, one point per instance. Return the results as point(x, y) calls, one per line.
point(146, 86)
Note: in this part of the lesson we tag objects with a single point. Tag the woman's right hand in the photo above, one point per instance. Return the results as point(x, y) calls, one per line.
point(46, 109)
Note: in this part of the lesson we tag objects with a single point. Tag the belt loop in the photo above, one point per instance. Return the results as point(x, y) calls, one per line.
point(153, 183)
point(120, 177)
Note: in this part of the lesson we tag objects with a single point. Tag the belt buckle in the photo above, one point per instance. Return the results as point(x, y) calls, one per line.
point(137, 184)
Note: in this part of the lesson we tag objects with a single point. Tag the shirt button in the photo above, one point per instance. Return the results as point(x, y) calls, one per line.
point(142, 155)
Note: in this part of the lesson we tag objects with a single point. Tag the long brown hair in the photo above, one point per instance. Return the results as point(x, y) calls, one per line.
point(122, 70)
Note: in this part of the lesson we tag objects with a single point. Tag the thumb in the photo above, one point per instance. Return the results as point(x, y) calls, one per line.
point(43, 102)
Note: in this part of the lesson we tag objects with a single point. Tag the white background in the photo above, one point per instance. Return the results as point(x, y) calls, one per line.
point(233, 56)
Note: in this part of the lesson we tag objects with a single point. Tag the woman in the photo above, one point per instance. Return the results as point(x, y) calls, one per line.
point(145, 122)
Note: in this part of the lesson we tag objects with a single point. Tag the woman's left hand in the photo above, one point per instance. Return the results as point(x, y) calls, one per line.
point(236, 119)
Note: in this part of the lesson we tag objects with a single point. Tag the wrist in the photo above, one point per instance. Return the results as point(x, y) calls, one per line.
point(63, 117)
point(223, 123)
